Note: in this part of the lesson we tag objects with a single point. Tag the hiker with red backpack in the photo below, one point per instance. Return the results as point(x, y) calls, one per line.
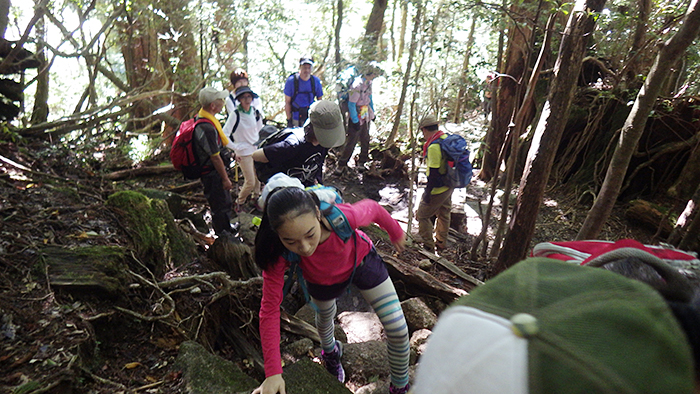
point(209, 141)
point(297, 227)
point(437, 197)
point(300, 91)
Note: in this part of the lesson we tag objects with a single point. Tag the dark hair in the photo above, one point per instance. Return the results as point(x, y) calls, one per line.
point(433, 127)
point(237, 75)
point(309, 134)
point(282, 204)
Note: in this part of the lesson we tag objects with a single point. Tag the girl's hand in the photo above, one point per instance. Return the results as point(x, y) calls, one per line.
point(400, 244)
point(272, 385)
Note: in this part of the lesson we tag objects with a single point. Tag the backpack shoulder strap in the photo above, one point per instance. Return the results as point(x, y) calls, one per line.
point(257, 115)
point(238, 120)
point(313, 87)
point(338, 221)
point(296, 87)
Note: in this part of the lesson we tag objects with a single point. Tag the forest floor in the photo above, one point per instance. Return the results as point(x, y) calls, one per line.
point(60, 202)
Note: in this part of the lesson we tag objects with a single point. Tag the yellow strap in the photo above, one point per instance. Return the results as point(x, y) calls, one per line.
point(206, 115)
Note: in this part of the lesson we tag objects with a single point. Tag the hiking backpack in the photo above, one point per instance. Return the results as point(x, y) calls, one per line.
point(345, 81)
point(296, 87)
point(182, 152)
point(264, 170)
point(459, 169)
point(584, 252)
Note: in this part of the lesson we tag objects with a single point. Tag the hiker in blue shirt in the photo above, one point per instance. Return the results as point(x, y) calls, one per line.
point(300, 91)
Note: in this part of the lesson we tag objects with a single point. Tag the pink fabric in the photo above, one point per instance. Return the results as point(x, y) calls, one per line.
point(331, 263)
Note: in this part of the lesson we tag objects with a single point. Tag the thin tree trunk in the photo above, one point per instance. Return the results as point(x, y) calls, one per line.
point(519, 129)
point(40, 113)
point(636, 121)
point(548, 132)
point(407, 75)
point(338, 25)
point(375, 22)
point(687, 216)
point(392, 31)
point(519, 35)
point(404, 22)
point(457, 114)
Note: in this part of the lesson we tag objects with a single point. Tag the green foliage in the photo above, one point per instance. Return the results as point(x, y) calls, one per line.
point(8, 133)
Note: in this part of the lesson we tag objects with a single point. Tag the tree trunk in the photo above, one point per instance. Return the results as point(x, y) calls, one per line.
point(635, 60)
point(402, 35)
point(504, 102)
point(375, 23)
point(407, 75)
point(4, 16)
point(636, 121)
point(40, 113)
point(548, 132)
point(338, 26)
point(457, 114)
point(688, 225)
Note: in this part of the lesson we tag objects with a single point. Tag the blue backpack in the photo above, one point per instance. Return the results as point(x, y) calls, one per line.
point(459, 169)
point(339, 224)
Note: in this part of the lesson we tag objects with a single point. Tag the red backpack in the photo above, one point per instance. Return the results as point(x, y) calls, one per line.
point(584, 252)
point(182, 153)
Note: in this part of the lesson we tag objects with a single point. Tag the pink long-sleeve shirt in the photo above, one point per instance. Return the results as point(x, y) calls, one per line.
point(331, 263)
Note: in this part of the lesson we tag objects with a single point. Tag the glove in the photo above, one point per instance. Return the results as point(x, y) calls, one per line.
point(290, 123)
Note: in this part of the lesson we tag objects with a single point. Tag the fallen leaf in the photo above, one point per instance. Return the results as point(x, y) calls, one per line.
point(132, 365)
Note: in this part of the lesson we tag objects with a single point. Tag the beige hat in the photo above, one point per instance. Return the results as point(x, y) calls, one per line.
point(209, 95)
point(325, 116)
point(428, 120)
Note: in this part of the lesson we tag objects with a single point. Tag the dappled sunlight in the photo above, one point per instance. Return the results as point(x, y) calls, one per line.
point(550, 203)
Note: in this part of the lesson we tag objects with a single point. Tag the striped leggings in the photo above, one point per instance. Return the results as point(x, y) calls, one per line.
point(385, 303)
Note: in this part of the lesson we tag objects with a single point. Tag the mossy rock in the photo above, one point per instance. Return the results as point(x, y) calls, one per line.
point(173, 200)
point(205, 373)
point(308, 377)
point(159, 243)
point(87, 270)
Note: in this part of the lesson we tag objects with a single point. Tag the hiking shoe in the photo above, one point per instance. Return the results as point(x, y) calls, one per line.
point(440, 245)
point(396, 390)
point(332, 361)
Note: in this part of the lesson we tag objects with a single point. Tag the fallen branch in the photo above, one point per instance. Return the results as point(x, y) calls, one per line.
point(452, 268)
point(141, 171)
point(420, 280)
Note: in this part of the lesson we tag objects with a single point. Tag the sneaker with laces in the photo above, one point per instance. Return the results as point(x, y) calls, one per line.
point(332, 361)
point(398, 390)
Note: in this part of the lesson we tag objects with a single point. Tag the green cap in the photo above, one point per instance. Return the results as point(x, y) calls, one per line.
point(545, 326)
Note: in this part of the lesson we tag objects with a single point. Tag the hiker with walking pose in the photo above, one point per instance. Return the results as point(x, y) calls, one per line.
point(294, 225)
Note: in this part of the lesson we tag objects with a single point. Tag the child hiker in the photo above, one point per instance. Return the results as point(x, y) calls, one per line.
point(292, 221)
point(244, 123)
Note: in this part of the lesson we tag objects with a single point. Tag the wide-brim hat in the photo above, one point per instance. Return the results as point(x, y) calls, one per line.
point(243, 90)
point(208, 95)
point(327, 121)
point(545, 326)
point(428, 120)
